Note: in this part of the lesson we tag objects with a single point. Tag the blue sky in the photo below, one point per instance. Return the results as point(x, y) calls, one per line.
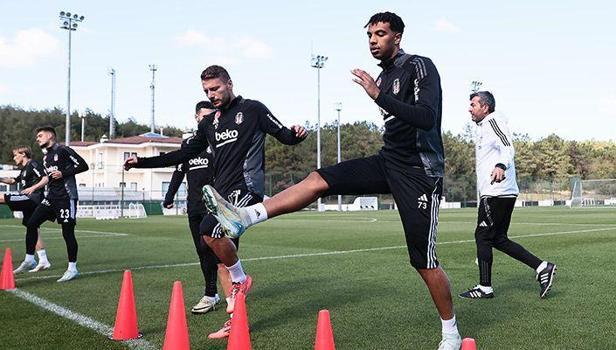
point(549, 64)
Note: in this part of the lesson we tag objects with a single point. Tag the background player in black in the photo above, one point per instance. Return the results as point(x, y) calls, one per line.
point(236, 134)
point(410, 165)
point(61, 164)
point(31, 181)
point(198, 171)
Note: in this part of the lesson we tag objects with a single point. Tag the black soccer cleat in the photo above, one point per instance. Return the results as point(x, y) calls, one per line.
point(545, 279)
point(476, 293)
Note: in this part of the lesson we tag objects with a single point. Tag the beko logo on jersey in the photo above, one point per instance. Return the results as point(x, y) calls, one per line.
point(198, 161)
point(226, 135)
point(51, 169)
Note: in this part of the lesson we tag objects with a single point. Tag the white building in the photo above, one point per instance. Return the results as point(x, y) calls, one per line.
point(106, 174)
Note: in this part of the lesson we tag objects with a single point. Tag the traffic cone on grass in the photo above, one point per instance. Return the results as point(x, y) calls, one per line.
point(126, 317)
point(7, 280)
point(468, 344)
point(176, 336)
point(325, 334)
point(239, 338)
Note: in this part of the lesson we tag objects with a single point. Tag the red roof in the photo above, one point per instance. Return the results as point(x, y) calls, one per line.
point(135, 140)
point(81, 143)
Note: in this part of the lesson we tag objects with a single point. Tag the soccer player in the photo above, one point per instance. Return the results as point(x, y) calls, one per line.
point(498, 189)
point(410, 165)
point(236, 134)
point(31, 180)
point(61, 164)
point(198, 171)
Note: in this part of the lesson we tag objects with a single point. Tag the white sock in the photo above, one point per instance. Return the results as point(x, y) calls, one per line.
point(237, 273)
point(29, 258)
point(72, 266)
point(542, 266)
point(42, 254)
point(450, 326)
point(256, 213)
point(485, 289)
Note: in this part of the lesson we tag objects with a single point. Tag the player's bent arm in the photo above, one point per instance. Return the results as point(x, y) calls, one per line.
point(42, 183)
point(164, 160)
point(7, 180)
point(288, 137)
point(79, 164)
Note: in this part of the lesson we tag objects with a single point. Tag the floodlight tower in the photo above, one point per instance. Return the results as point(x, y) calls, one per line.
point(338, 107)
point(153, 68)
point(69, 21)
point(475, 85)
point(318, 61)
point(112, 73)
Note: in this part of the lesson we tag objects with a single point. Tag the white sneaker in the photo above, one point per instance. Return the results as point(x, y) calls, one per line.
point(25, 266)
point(205, 305)
point(228, 215)
point(450, 342)
point(41, 266)
point(69, 275)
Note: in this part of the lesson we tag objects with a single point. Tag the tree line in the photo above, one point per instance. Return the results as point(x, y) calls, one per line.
point(550, 159)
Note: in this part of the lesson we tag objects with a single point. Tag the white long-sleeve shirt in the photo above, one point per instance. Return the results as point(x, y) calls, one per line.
point(494, 145)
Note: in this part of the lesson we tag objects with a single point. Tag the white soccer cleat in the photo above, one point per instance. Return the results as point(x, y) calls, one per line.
point(69, 275)
point(41, 266)
point(205, 305)
point(25, 266)
point(450, 342)
point(226, 213)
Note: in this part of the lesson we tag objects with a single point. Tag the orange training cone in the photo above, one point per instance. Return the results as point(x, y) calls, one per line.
point(239, 338)
point(7, 280)
point(325, 335)
point(176, 336)
point(126, 317)
point(468, 344)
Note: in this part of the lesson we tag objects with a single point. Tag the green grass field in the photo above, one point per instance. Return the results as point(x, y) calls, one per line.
point(354, 264)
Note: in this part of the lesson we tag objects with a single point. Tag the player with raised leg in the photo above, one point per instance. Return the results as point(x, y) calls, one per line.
point(410, 165)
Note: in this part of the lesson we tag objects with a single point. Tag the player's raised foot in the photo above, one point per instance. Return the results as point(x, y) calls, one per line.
point(223, 332)
point(243, 287)
point(69, 275)
point(476, 293)
point(545, 279)
point(25, 266)
point(205, 305)
point(228, 216)
point(42, 265)
point(450, 342)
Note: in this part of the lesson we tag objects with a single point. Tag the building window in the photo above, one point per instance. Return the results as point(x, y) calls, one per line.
point(129, 154)
point(99, 160)
point(133, 186)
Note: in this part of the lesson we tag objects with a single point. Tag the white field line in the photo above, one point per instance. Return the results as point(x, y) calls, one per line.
point(103, 233)
point(305, 255)
point(82, 320)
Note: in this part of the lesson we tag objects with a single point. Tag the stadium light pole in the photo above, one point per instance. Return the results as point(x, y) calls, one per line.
point(83, 125)
point(153, 68)
point(318, 61)
point(112, 72)
point(338, 107)
point(69, 21)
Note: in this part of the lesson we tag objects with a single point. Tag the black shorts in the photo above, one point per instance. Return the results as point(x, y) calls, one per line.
point(240, 198)
point(22, 203)
point(494, 217)
point(417, 197)
point(62, 211)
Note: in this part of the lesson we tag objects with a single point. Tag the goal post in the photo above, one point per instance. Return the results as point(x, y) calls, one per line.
point(596, 193)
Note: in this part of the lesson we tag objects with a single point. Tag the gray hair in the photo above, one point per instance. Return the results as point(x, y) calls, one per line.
point(485, 98)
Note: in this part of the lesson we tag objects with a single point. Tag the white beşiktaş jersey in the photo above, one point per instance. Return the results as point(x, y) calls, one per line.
point(493, 145)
